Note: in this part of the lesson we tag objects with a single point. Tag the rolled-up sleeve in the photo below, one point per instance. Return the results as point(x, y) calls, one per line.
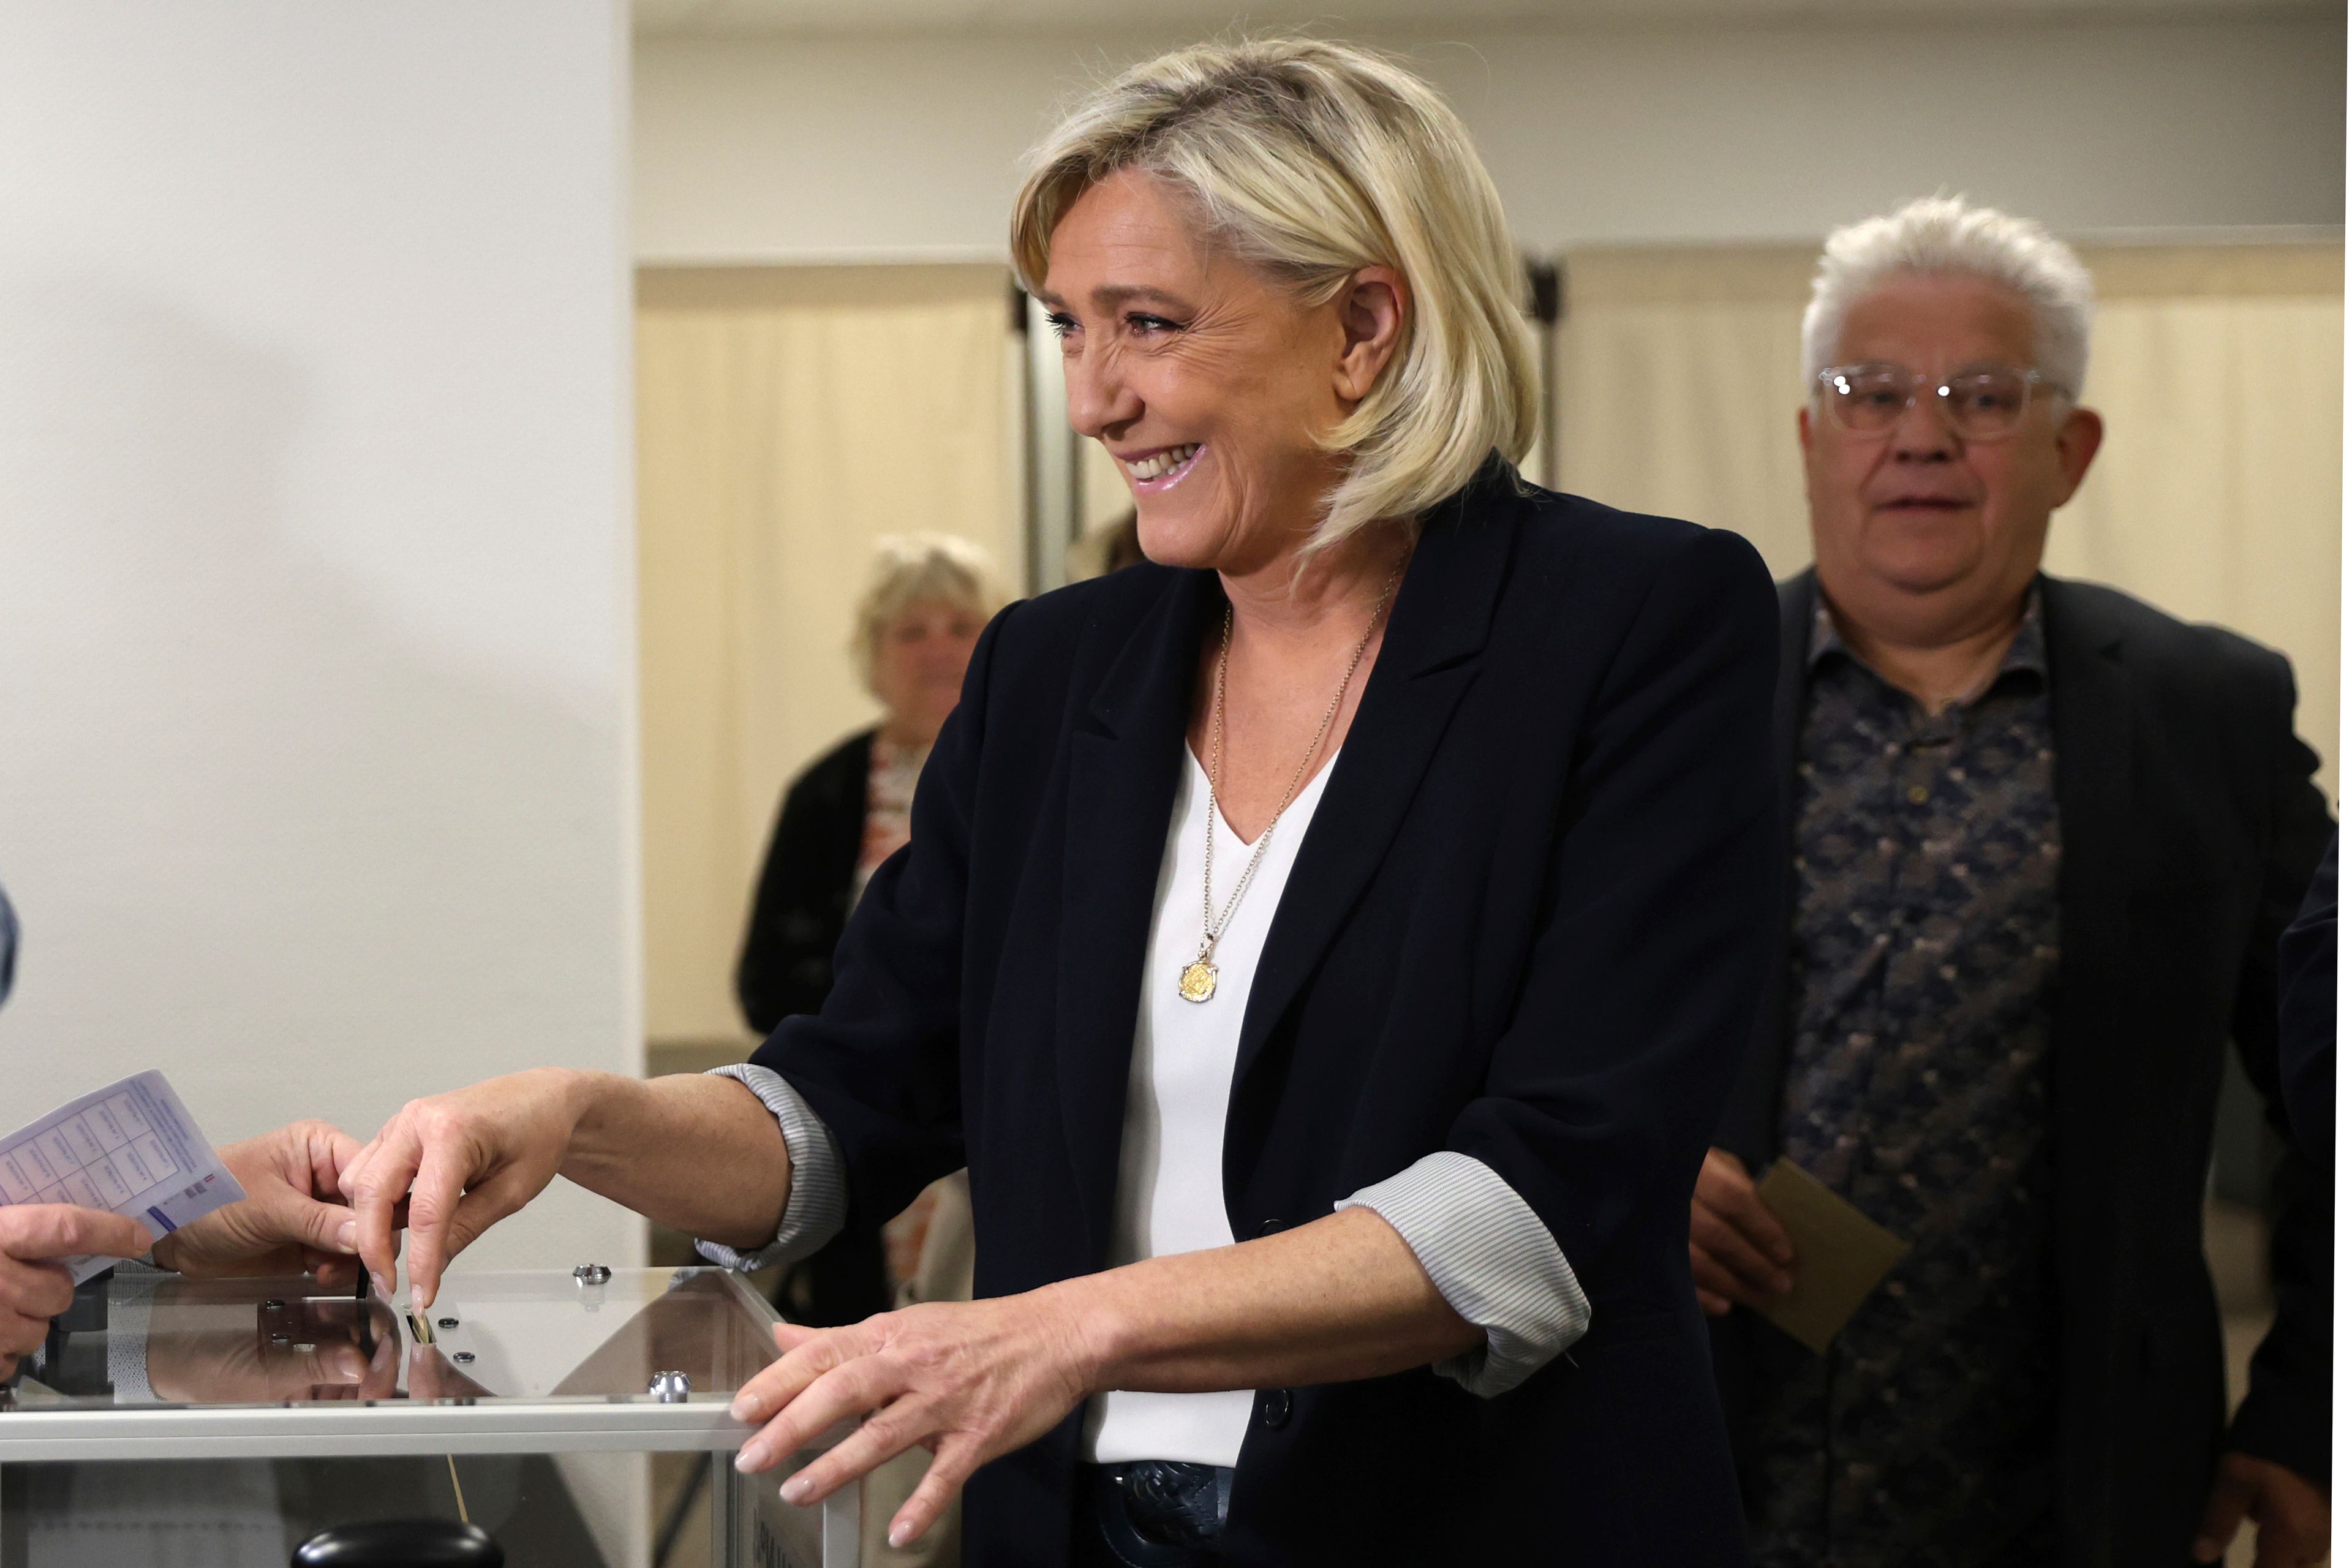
point(819, 1205)
point(1653, 933)
point(1491, 1258)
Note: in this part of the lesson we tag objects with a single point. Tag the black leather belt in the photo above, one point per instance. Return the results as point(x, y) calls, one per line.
point(1161, 1513)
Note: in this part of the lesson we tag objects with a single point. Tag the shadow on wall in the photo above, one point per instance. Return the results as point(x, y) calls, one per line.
point(238, 809)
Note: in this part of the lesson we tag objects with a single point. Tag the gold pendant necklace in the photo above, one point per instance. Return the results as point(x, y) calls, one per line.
point(1197, 982)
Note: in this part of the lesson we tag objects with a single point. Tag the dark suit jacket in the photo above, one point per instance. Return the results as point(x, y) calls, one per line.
point(2188, 827)
point(802, 902)
point(1528, 921)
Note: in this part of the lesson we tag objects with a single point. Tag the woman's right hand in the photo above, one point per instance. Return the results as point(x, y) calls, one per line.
point(462, 1162)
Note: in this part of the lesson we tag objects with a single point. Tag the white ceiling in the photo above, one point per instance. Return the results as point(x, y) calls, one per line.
point(837, 18)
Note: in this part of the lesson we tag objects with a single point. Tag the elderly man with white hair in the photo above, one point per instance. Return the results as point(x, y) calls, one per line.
point(2041, 840)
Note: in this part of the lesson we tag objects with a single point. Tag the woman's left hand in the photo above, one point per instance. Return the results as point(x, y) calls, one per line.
point(968, 1379)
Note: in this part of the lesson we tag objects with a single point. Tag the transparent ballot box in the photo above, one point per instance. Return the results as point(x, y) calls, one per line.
point(546, 1418)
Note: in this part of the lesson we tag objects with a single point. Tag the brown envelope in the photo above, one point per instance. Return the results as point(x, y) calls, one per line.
point(1841, 1254)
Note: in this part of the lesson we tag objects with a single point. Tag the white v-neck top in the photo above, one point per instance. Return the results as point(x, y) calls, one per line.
point(1172, 1181)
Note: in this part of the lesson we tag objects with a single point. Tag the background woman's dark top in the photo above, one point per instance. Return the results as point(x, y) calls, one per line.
point(805, 891)
point(1530, 922)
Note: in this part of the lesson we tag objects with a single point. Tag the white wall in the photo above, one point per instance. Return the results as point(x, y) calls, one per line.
point(316, 690)
point(775, 148)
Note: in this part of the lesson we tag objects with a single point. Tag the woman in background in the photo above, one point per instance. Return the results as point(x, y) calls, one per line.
point(842, 817)
point(846, 814)
point(930, 595)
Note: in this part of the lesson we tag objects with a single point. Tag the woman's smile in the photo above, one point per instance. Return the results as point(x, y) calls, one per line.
point(1160, 470)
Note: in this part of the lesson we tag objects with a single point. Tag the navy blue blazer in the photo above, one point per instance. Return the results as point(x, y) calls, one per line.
point(1530, 922)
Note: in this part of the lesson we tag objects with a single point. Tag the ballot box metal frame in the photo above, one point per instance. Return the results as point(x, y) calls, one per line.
point(71, 1431)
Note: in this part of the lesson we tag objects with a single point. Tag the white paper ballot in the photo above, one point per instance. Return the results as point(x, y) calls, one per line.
point(131, 1147)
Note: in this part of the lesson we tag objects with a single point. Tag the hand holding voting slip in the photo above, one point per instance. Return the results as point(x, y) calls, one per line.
point(1842, 1256)
point(131, 1149)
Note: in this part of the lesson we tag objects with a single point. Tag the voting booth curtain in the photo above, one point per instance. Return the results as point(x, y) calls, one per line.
point(2219, 369)
point(788, 418)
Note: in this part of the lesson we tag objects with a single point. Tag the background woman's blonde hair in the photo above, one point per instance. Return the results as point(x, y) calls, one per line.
point(912, 569)
point(1312, 159)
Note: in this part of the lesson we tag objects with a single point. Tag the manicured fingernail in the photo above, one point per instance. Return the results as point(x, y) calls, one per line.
point(750, 1459)
point(743, 1410)
point(900, 1534)
point(796, 1490)
point(347, 1239)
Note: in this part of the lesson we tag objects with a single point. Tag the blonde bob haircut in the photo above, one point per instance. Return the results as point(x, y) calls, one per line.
point(911, 569)
point(1312, 160)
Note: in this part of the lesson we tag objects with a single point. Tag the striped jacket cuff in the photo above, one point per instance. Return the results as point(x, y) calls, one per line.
point(819, 1205)
point(1491, 1259)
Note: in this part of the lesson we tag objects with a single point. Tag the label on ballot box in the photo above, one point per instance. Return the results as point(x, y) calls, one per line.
point(131, 1147)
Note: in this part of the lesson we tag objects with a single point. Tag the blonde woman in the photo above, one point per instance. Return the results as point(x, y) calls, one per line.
point(846, 814)
point(916, 624)
point(1328, 944)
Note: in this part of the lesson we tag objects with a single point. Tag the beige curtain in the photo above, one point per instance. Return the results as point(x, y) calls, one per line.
point(2219, 370)
point(787, 418)
point(2219, 494)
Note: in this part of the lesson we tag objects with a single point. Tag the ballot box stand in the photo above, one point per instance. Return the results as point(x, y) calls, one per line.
point(184, 1421)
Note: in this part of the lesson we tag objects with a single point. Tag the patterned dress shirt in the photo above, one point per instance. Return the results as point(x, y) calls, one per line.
point(1925, 987)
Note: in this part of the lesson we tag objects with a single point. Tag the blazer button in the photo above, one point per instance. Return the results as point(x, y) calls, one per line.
point(1274, 1408)
point(1269, 1227)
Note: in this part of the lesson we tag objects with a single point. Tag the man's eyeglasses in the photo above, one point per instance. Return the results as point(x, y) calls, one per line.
point(1978, 402)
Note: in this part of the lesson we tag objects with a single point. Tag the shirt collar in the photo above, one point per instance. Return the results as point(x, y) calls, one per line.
point(2027, 651)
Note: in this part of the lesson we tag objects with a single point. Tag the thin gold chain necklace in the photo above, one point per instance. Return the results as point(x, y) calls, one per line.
point(1198, 980)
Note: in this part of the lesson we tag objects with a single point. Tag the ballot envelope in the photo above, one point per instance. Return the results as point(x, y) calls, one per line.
point(573, 1417)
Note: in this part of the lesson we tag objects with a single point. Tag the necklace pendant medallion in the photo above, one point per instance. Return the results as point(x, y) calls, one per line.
point(1198, 983)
